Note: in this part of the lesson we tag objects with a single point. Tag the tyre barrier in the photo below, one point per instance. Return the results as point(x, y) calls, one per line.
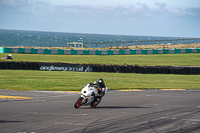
point(44, 66)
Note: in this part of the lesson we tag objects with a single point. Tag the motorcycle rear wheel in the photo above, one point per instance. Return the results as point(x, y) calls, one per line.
point(94, 103)
point(78, 103)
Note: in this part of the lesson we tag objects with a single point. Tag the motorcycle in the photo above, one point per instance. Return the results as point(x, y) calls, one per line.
point(87, 97)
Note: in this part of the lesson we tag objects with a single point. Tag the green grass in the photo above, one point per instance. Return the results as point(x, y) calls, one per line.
point(192, 59)
point(62, 80)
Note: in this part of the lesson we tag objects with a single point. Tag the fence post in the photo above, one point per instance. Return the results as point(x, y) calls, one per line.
point(108, 44)
point(164, 45)
point(102, 45)
point(121, 44)
point(96, 44)
point(89, 44)
point(188, 41)
point(175, 44)
point(195, 40)
point(127, 43)
point(115, 45)
point(152, 43)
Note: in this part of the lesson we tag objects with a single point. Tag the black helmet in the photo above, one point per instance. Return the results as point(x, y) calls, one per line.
point(100, 81)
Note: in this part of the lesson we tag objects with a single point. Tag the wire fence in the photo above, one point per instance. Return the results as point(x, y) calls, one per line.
point(127, 44)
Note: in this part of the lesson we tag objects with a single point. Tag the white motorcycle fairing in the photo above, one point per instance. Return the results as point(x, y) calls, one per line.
point(88, 92)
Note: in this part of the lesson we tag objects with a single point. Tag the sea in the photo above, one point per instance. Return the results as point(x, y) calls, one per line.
point(10, 38)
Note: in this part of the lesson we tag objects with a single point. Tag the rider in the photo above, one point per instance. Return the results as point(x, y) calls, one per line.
point(101, 88)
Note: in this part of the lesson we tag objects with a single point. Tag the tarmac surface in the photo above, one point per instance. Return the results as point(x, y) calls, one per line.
point(147, 111)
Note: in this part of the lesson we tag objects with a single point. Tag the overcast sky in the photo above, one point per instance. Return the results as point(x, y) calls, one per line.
point(173, 18)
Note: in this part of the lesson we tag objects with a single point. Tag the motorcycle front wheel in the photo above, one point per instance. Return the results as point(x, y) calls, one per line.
point(78, 103)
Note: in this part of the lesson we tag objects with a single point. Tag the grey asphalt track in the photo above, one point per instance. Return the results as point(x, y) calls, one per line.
point(148, 111)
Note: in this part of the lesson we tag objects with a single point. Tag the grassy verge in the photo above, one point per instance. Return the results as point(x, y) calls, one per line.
point(192, 59)
point(63, 81)
point(60, 80)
